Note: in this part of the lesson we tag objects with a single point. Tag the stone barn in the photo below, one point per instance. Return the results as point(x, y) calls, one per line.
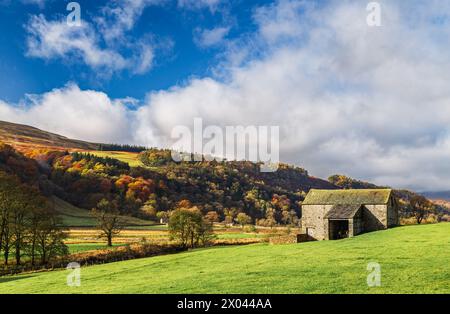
point(337, 214)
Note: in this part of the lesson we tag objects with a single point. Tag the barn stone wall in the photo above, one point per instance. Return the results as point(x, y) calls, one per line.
point(358, 226)
point(370, 218)
point(375, 217)
point(392, 213)
point(288, 239)
point(313, 222)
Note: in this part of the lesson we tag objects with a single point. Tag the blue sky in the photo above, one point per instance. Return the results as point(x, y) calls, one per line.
point(171, 27)
point(369, 101)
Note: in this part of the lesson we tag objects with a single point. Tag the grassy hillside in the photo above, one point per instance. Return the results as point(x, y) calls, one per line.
point(23, 138)
point(413, 259)
point(127, 157)
point(153, 180)
point(76, 217)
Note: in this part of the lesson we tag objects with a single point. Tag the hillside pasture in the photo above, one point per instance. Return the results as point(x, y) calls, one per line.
point(161, 236)
point(73, 216)
point(130, 158)
point(413, 259)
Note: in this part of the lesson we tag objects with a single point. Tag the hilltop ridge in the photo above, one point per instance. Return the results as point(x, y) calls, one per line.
point(24, 137)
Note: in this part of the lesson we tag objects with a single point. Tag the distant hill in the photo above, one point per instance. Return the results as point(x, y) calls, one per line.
point(441, 195)
point(149, 182)
point(443, 203)
point(403, 196)
point(144, 184)
point(23, 138)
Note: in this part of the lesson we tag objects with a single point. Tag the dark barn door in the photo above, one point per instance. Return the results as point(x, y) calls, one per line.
point(338, 229)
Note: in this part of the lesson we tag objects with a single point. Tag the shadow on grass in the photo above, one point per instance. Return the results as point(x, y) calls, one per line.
point(13, 278)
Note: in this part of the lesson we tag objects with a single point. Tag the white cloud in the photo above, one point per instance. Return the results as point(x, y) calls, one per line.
point(281, 20)
point(372, 103)
point(40, 3)
point(58, 40)
point(212, 5)
point(145, 61)
point(368, 102)
point(102, 45)
point(120, 16)
point(210, 37)
point(79, 114)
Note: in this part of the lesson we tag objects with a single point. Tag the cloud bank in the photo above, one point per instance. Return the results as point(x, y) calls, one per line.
point(80, 114)
point(205, 38)
point(370, 102)
point(102, 44)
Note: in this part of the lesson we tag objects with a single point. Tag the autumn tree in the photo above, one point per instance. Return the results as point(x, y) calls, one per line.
point(28, 225)
point(205, 233)
point(20, 212)
point(46, 239)
point(163, 216)
point(243, 219)
point(150, 207)
point(230, 214)
point(6, 189)
point(186, 204)
point(421, 207)
point(270, 220)
point(14, 204)
point(289, 217)
point(108, 219)
point(188, 227)
point(212, 217)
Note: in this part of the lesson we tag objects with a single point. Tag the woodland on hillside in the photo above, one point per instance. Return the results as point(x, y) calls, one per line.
point(227, 188)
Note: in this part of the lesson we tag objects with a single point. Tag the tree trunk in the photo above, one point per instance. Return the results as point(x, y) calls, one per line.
point(109, 239)
point(6, 254)
point(419, 220)
point(33, 253)
point(17, 246)
point(2, 231)
point(44, 253)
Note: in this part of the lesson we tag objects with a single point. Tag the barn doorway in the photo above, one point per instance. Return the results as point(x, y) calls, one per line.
point(338, 229)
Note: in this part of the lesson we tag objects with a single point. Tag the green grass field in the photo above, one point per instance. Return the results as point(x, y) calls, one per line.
point(413, 259)
point(83, 247)
point(76, 217)
point(130, 158)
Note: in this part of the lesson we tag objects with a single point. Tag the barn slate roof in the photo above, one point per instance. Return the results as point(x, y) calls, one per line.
point(348, 197)
point(342, 211)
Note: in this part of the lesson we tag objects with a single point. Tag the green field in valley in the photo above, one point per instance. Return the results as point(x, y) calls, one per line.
point(76, 217)
point(413, 259)
point(130, 158)
point(83, 247)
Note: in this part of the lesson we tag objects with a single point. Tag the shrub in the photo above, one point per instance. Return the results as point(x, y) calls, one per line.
point(123, 253)
point(250, 229)
point(243, 219)
point(189, 228)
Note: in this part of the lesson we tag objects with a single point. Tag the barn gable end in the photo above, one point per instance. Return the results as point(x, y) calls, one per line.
point(335, 214)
